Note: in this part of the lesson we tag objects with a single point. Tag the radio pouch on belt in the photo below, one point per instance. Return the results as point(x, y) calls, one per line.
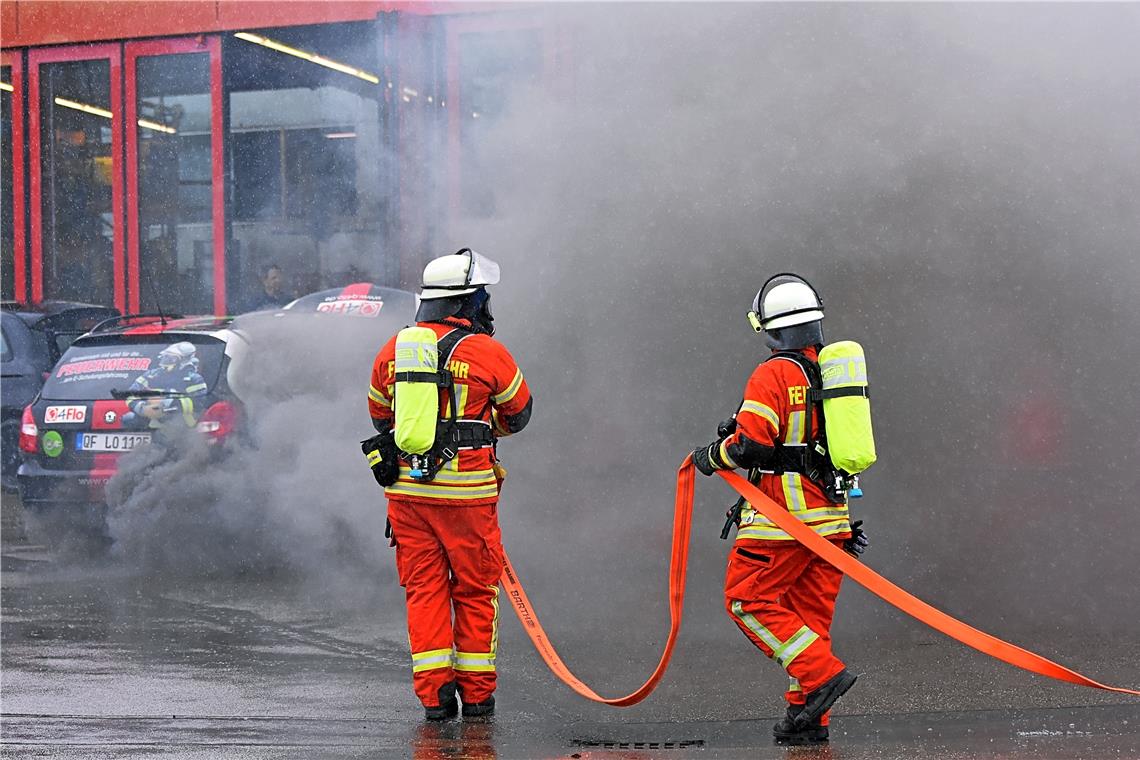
point(383, 458)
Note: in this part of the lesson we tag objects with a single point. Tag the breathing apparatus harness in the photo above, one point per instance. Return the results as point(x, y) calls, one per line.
point(451, 434)
point(811, 459)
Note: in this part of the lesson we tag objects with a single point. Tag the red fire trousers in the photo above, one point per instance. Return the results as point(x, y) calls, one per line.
point(782, 596)
point(449, 559)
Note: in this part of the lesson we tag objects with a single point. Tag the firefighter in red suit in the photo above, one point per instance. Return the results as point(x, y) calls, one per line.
point(780, 595)
point(449, 554)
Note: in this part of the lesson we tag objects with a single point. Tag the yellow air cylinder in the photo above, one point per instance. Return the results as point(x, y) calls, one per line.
point(416, 400)
point(850, 440)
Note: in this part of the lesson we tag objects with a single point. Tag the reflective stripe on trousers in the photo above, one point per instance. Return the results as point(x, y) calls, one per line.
point(783, 652)
point(482, 662)
point(431, 659)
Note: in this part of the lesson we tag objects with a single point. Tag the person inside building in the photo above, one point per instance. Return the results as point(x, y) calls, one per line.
point(780, 594)
point(271, 294)
point(442, 505)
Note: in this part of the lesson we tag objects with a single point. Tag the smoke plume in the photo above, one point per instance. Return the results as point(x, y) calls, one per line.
point(960, 184)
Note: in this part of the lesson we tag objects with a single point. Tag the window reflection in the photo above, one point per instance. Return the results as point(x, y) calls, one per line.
point(176, 250)
point(309, 175)
point(77, 167)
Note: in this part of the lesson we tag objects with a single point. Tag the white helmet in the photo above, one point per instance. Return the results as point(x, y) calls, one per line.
point(784, 301)
point(460, 273)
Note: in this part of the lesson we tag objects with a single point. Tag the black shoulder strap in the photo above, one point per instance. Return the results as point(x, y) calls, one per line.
point(445, 347)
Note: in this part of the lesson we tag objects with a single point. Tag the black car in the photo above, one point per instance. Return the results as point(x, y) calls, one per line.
point(139, 379)
point(32, 339)
point(115, 388)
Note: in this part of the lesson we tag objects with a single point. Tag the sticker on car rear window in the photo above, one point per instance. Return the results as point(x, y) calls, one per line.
point(95, 373)
point(62, 415)
point(52, 443)
point(103, 364)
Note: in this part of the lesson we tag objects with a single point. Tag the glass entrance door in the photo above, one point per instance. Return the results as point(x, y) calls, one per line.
point(175, 204)
point(76, 190)
point(12, 221)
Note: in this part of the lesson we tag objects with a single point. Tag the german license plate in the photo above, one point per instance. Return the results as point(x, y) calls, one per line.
point(110, 441)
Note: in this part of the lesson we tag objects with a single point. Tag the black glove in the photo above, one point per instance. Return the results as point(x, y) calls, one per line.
point(726, 428)
point(702, 461)
point(383, 458)
point(858, 541)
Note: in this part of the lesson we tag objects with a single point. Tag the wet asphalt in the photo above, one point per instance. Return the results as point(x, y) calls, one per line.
point(101, 661)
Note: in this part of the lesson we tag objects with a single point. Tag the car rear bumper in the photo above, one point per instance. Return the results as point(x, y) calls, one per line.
point(41, 488)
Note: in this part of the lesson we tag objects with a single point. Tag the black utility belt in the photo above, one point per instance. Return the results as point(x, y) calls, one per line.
point(466, 434)
point(809, 460)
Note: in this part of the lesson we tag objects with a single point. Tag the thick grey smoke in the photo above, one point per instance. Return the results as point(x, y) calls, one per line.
point(293, 492)
point(959, 182)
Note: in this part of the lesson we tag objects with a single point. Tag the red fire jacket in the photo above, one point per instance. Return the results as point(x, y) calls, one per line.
point(489, 386)
point(773, 410)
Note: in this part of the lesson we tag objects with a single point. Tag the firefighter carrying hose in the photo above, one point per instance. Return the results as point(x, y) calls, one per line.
point(442, 392)
point(781, 595)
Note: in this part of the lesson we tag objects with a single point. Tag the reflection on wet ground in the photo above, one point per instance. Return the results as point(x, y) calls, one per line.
point(1092, 732)
point(101, 663)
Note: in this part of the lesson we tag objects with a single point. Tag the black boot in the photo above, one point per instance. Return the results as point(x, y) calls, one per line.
point(821, 700)
point(448, 704)
point(786, 732)
point(483, 709)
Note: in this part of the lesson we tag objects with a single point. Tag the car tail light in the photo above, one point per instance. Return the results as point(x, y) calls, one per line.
point(29, 433)
point(219, 421)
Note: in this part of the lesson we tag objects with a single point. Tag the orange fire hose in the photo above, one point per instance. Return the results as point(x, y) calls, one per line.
point(678, 565)
point(852, 567)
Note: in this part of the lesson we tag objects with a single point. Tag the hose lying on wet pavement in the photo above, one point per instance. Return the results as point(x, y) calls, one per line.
point(850, 566)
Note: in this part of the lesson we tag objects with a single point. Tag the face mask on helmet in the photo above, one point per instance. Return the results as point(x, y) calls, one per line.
point(795, 337)
point(478, 310)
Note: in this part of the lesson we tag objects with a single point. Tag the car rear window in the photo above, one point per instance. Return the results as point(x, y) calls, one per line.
point(93, 371)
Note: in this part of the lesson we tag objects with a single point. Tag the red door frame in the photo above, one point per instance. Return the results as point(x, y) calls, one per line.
point(132, 52)
point(36, 57)
point(14, 59)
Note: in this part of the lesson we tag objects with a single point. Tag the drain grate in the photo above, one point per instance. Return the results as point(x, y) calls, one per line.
point(604, 744)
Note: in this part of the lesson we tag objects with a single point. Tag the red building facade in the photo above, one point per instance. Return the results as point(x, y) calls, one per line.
point(163, 154)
